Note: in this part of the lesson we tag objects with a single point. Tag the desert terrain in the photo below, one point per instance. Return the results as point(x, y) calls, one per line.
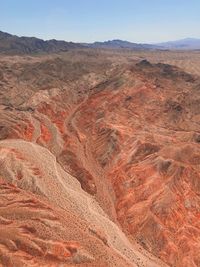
point(100, 159)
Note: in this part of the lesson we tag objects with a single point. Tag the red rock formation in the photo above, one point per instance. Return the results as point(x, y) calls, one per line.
point(132, 141)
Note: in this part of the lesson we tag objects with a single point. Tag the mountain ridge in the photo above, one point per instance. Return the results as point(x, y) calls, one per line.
point(117, 43)
point(13, 44)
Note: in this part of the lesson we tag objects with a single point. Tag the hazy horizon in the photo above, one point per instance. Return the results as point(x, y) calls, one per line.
point(115, 39)
point(89, 21)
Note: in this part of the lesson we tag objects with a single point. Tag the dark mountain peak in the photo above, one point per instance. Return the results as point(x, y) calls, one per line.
point(144, 63)
point(5, 35)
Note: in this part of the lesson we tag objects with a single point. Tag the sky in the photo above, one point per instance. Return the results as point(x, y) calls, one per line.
point(143, 21)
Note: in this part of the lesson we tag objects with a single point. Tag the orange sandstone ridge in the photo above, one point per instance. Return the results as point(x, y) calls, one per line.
point(100, 163)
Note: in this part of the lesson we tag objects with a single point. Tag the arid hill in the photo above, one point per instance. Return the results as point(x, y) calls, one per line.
point(100, 160)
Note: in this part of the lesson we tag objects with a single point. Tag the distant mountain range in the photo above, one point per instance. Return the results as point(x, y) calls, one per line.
point(117, 44)
point(184, 44)
point(12, 44)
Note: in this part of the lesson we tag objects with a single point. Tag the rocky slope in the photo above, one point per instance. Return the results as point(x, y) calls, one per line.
point(99, 163)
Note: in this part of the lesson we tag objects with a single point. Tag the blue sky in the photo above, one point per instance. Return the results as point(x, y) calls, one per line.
point(98, 20)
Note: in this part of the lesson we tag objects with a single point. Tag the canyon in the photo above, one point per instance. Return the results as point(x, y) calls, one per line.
point(100, 159)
